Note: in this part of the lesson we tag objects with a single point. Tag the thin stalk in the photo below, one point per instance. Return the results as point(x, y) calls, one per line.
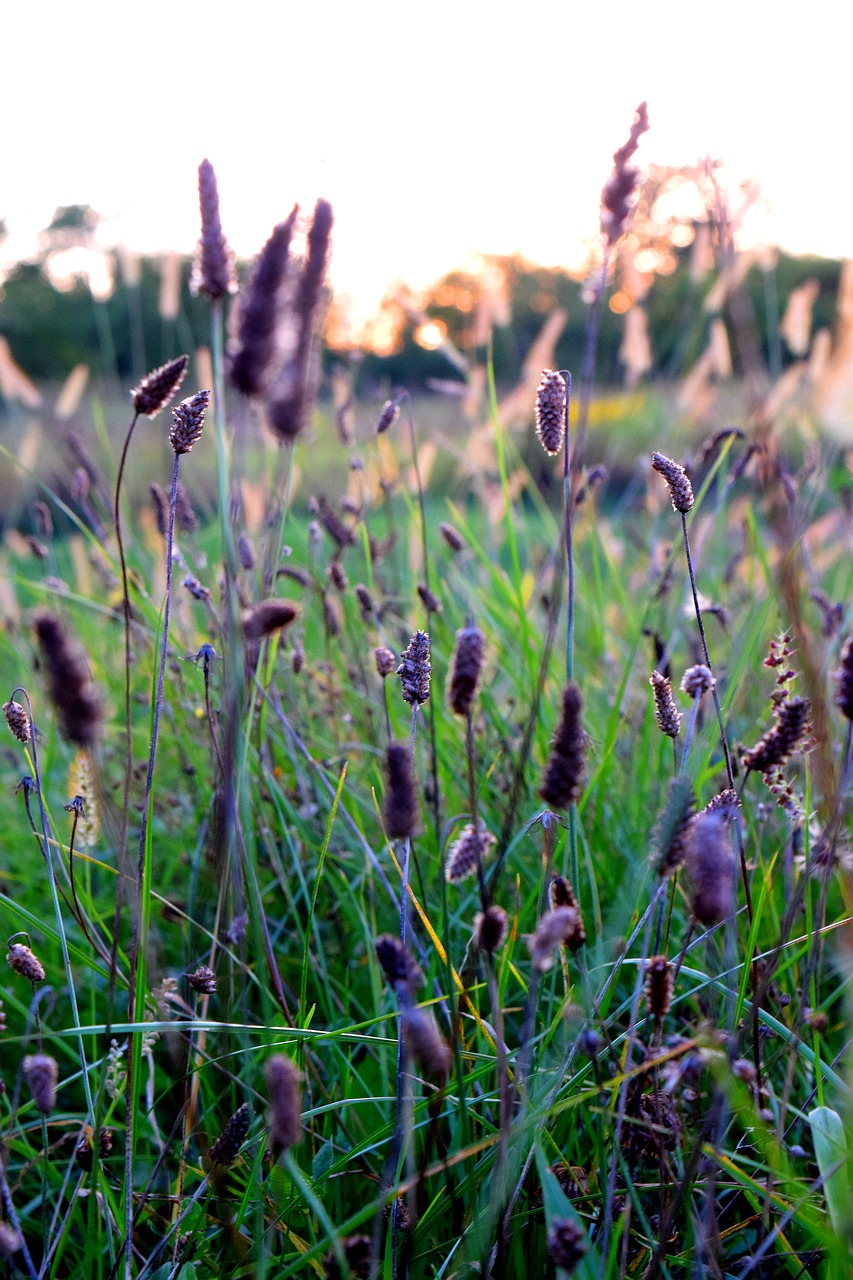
point(590, 350)
point(125, 600)
point(185, 1139)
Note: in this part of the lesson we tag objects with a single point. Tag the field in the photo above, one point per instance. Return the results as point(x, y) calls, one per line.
point(369, 911)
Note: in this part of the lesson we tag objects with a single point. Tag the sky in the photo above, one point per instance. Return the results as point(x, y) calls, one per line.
point(435, 130)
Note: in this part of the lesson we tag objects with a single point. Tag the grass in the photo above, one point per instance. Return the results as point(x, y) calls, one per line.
point(575, 1125)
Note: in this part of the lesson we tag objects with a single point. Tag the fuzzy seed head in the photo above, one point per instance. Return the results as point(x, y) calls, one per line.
point(453, 539)
point(397, 963)
point(697, 681)
point(85, 1149)
point(250, 361)
point(17, 720)
point(25, 962)
point(385, 661)
point(467, 853)
point(414, 670)
point(213, 269)
point(284, 1090)
point(157, 388)
point(564, 772)
point(680, 488)
point(673, 823)
point(551, 411)
point(246, 552)
point(658, 986)
point(424, 1041)
point(725, 803)
point(567, 1243)
point(69, 681)
point(466, 669)
point(561, 894)
point(364, 598)
point(711, 866)
point(491, 928)
point(844, 676)
point(389, 415)
point(561, 926)
point(787, 736)
point(429, 599)
point(224, 1150)
point(42, 1073)
point(268, 617)
point(618, 193)
point(202, 980)
point(666, 712)
point(188, 422)
point(400, 810)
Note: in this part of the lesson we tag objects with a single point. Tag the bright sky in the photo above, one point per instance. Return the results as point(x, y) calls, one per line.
point(434, 129)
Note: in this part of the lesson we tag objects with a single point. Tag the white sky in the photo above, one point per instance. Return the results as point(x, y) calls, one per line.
point(435, 129)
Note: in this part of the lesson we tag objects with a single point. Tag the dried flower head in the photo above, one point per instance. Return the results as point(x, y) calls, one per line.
point(453, 539)
point(658, 986)
point(429, 599)
point(213, 268)
point(567, 1243)
point(224, 1150)
point(725, 802)
point(424, 1041)
point(844, 676)
point(779, 743)
point(161, 509)
point(666, 712)
point(284, 1090)
point(202, 980)
point(42, 1073)
point(551, 396)
point(268, 617)
point(385, 661)
point(17, 720)
point(561, 926)
point(491, 928)
point(251, 360)
point(337, 575)
point(246, 552)
point(25, 962)
point(85, 1149)
point(69, 682)
point(389, 415)
point(617, 196)
point(680, 488)
point(364, 598)
point(711, 865)
point(562, 894)
point(670, 832)
point(466, 669)
point(400, 810)
point(467, 853)
point(397, 963)
point(157, 388)
point(564, 771)
point(188, 422)
point(414, 669)
point(697, 681)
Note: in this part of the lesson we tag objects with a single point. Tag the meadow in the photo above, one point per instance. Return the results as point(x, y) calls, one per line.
point(426, 848)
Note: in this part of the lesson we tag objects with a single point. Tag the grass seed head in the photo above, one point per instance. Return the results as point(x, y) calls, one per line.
point(69, 681)
point(680, 488)
point(250, 362)
point(567, 1243)
point(466, 669)
point(84, 1151)
point(561, 926)
point(10, 1241)
point(161, 509)
point(424, 1041)
point(365, 600)
point(389, 415)
point(268, 617)
point(551, 411)
point(453, 539)
point(17, 720)
point(400, 810)
point(397, 963)
point(466, 853)
point(491, 928)
point(202, 980)
point(658, 986)
point(666, 712)
point(414, 670)
point(697, 681)
point(385, 661)
point(213, 268)
point(284, 1090)
point(844, 676)
point(429, 599)
point(561, 894)
point(157, 388)
point(787, 736)
point(564, 772)
point(188, 422)
point(224, 1150)
point(618, 193)
point(25, 962)
point(42, 1073)
point(711, 866)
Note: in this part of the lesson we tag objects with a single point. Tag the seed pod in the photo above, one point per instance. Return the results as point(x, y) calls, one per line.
point(17, 720)
point(466, 853)
point(564, 771)
point(25, 962)
point(658, 986)
point(551, 397)
point(397, 963)
point(202, 980)
point(336, 575)
point(284, 1090)
point(567, 1243)
point(666, 712)
point(42, 1073)
point(453, 539)
point(414, 670)
point(466, 669)
point(267, 617)
point(780, 742)
point(224, 1150)
point(400, 811)
point(711, 865)
point(364, 599)
point(490, 929)
point(618, 192)
point(157, 388)
point(424, 1041)
point(385, 661)
point(844, 676)
point(188, 422)
point(680, 488)
point(697, 681)
point(725, 803)
point(297, 660)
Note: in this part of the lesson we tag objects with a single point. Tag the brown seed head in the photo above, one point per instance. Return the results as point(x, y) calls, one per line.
point(85, 1148)
point(567, 1243)
point(17, 720)
point(250, 362)
point(551, 411)
point(397, 963)
point(680, 488)
point(414, 670)
point(385, 661)
point(561, 926)
point(697, 681)
point(466, 853)
point(672, 826)
point(202, 980)
point(246, 552)
point(25, 962)
point(491, 928)
point(711, 865)
point(466, 669)
point(364, 598)
point(666, 712)
point(562, 894)
point(617, 196)
point(188, 422)
point(224, 1150)
point(42, 1073)
point(389, 415)
point(157, 388)
point(267, 617)
point(69, 682)
point(564, 771)
point(424, 1041)
point(658, 986)
point(337, 575)
point(453, 539)
point(213, 269)
point(779, 743)
point(725, 803)
point(844, 676)
point(400, 810)
point(429, 599)
point(284, 1090)
point(43, 519)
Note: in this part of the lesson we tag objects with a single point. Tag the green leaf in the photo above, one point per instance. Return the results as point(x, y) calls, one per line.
point(830, 1146)
point(557, 1205)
